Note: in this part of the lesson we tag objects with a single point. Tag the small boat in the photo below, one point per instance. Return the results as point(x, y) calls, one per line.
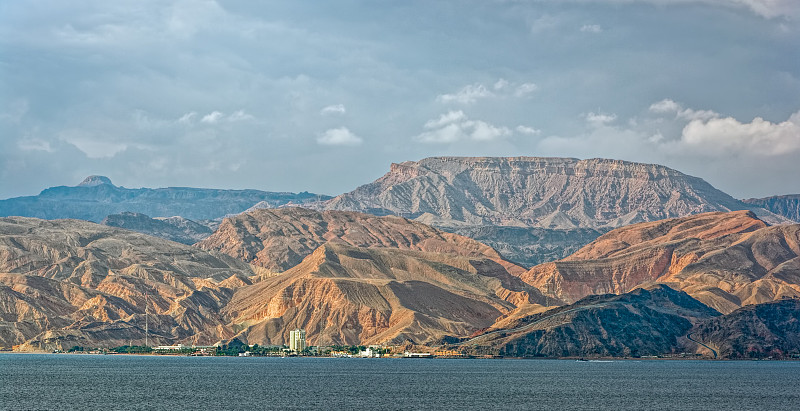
point(581, 360)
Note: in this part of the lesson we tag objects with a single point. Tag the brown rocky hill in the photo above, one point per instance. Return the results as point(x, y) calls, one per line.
point(646, 321)
point(725, 260)
point(278, 239)
point(70, 282)
point(535, 192)
point(756, 331)
point(787, 205)
point(342, 294)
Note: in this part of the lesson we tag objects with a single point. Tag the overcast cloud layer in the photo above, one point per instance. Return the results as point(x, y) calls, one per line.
point(322, 96)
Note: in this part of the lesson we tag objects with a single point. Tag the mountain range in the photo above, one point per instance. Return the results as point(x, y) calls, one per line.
point(503, 256)
point(96, 197)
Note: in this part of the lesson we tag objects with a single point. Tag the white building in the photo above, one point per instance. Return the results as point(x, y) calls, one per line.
point(297, 340)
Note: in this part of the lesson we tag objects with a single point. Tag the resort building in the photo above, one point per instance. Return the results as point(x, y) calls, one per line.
point(297, 340)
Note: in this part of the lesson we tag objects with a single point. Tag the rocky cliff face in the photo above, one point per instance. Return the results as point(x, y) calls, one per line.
point(279, 239)
point(787, 206)
point(725, 260)
point(96, 197)
point(756, 331)
point(342, 294)
point(534, 192)
point(643, 322)
point(69, 282)
point(176, 228)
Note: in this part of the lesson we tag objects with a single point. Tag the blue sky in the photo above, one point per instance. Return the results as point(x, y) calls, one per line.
point(322, 96)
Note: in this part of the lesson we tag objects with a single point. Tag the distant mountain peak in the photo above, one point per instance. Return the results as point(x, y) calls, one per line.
point(92, 181)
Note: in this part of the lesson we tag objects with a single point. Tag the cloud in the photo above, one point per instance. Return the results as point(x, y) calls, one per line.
point(455, 126)
point(187, 118)
point(212, 118)
point(34, 144)
point(600, 119)
point(240, 116)
point(525, 88)
point(668, 106)
point(764, 8)
point(528, 130)
point(333, 109)
point(500, 84)
point(724, 136)
point(93, 147)
point(591, 28)
point(339, 137)
point(467, 95)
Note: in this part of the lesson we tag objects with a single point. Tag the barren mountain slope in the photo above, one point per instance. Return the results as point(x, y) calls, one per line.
point(174, 228)
point(756, 331)
point(725, 260)
point(344, 294)
point(279, 239)
point(70, 282)
point(787, 205)
point(535, 192)
point(643, 322)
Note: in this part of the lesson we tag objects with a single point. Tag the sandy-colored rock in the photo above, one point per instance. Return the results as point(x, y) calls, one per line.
point(344, 294)
point(535, 192)
point(278, 239)
point(73, 282)
point(725, 260)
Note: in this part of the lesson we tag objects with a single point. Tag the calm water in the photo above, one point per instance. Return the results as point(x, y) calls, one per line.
point(57, 382)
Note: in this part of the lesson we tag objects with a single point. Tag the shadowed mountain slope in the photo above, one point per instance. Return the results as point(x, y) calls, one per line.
point(643, 322)
point(756, 331)
point(787, 205)
point(176, 228)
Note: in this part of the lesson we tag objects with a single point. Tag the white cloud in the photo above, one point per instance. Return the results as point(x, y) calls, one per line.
point(665, 106)
point(528, 130)
point(600, 119)
point(212, 117)
point(668, 106)
point(339, 137)
point(333, 109)
point(467, 95)
point(34, 144)
point(525, 89)
point(240, 116)
point(591, 28)
point(500, 84)
point(447, 118)
point(187, 118)
point(720, 136)
point(764, 8)
point(456, 126)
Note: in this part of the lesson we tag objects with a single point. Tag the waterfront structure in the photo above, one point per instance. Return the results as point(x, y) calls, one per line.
point(297, 340)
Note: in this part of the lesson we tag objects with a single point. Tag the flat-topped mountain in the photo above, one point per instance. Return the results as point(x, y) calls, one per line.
point(96, 197)
point(71, 282)
point(278, 239)
point(725, 260)
point(342, 294)
point(787, 205)
point(534, 192)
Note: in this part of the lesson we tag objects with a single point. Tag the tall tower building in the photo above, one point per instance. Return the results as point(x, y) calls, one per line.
point(297, 340)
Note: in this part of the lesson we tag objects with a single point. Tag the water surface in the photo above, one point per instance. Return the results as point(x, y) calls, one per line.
point(47, 382)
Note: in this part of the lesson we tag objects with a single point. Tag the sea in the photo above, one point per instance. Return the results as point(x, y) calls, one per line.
point(130, 382)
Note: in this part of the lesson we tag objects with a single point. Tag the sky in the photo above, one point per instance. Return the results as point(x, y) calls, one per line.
point(323, 96)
